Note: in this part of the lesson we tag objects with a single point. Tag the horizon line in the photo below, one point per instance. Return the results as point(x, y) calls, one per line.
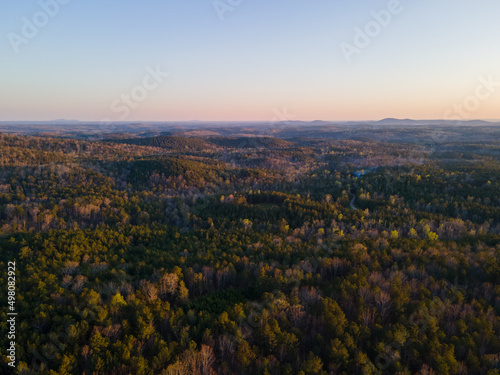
point(242, 121)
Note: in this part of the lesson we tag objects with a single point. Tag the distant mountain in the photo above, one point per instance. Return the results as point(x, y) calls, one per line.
point(395, 121)
point(409, 122)
point(51, 122)
point(64, 122)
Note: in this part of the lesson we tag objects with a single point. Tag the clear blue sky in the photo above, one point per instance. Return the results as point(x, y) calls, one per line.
point(263, 57)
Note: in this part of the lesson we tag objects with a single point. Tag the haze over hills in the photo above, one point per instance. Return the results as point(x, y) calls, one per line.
point(425, 132)
point(56, 125)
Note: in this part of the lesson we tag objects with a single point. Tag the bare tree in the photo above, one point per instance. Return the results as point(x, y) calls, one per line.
point(148, 290)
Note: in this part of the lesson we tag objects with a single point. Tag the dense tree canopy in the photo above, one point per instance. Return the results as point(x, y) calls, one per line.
point(178, 255)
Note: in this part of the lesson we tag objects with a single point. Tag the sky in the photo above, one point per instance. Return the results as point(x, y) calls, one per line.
point(249, 60)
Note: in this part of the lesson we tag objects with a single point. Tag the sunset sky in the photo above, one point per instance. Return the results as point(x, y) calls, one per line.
point(427, 60)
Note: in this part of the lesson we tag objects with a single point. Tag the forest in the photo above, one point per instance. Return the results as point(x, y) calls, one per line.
point(240, 252)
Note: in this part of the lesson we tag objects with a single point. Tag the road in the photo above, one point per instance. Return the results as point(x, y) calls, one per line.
point(352, 202)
